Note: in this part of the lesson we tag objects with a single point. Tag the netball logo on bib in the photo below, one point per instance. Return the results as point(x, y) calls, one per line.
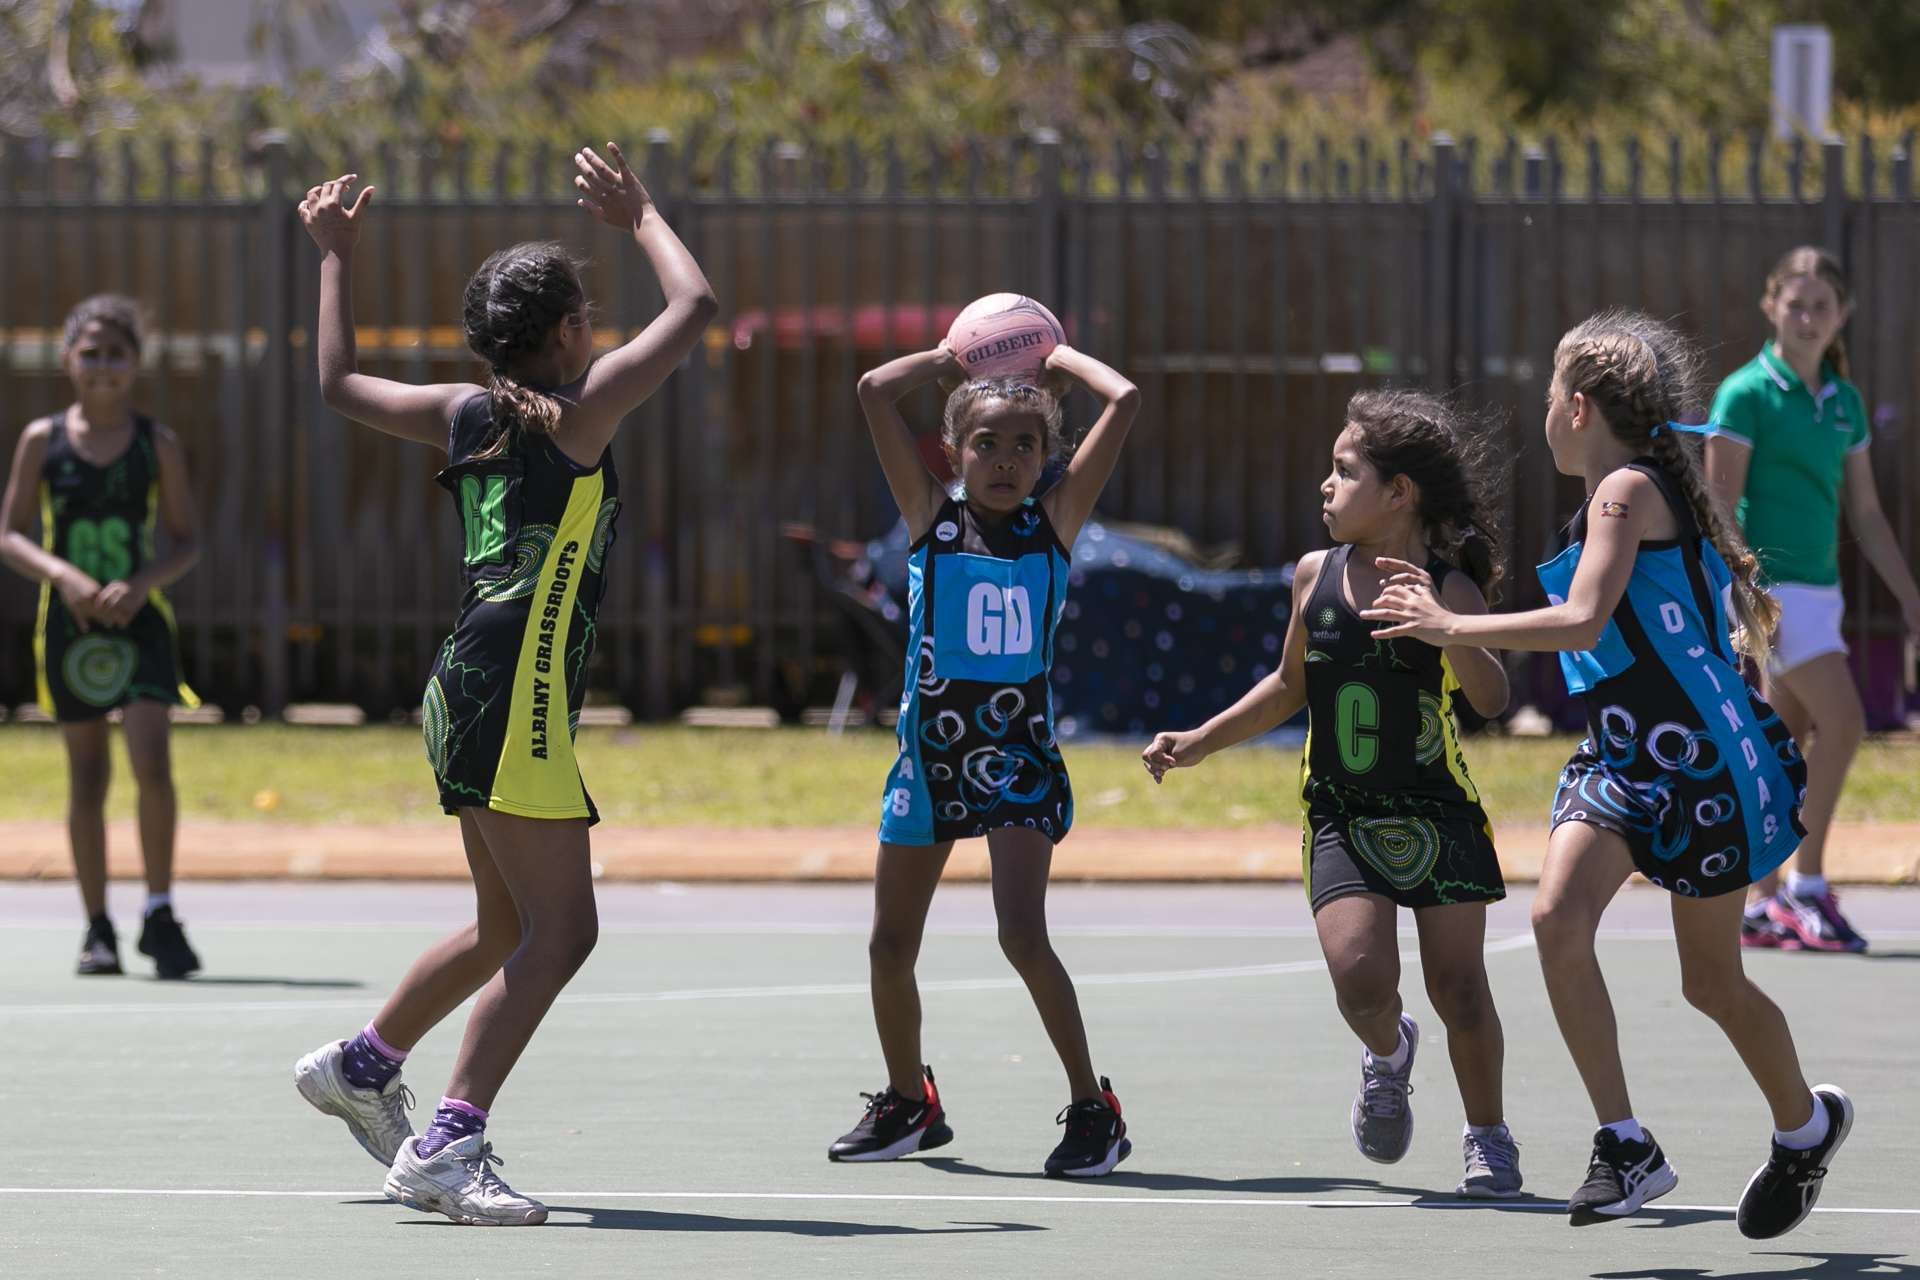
point(98, 668)
point(985, 617)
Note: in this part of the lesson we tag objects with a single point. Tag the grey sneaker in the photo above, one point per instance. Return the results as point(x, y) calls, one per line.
point(1493, 1166)
point(1382, 1117)
point(459, 1181)
point(377, 1118)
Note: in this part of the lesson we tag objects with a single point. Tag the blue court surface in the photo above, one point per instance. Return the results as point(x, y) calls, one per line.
point(675, 1109)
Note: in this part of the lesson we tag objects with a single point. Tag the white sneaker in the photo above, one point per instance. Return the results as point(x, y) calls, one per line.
point(377, 1118)
point(459, 1181)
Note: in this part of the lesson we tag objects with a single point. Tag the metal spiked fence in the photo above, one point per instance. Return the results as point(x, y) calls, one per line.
point(1249, 293)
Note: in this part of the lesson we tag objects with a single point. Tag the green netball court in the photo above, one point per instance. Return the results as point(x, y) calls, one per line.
point(675, 1110)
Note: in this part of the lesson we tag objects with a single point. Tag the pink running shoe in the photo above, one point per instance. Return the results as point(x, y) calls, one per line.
point(1764, 931)
point(1815, 921)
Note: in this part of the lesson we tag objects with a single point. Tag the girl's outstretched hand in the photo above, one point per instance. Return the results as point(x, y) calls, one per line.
point(331, 221)
point(1172, 751)
point(1407, 600)
point(614, 196)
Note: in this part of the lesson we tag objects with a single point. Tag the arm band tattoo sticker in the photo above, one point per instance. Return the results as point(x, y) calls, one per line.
point(1618, 510)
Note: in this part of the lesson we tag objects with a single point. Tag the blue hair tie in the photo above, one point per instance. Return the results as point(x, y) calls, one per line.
point(1692, 428)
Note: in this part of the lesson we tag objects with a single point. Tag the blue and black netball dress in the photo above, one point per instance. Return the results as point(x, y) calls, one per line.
point(504, 698)
point(1682, 759)
point(100, 520)
point(1390, 807)
point(976, 725)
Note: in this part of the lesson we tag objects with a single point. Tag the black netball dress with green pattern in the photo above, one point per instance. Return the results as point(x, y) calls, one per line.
point(504, 698)
point(1390, 808)
point(100, 520)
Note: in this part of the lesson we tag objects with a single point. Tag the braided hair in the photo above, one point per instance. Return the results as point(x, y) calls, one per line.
point(513, 302)
point(1641, 374)
point(1456, 466)
point(969, 398)
point(113, 309)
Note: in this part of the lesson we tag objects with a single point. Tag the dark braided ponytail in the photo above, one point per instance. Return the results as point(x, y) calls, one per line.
point(513, 303)
point(1454, 462)
point(1641, 374)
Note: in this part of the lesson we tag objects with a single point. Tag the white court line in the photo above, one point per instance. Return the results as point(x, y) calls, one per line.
point(1241, 1202)
point(1515, 943)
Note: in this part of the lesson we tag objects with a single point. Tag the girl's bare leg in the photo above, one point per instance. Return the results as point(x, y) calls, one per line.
point(89, 771)
point(1359, 940)
point(544, 864)
point(1839, 723)
point(1585, 867)
point(1829, 738)
point(1452, 945)
point(149, 750)
point(1021, 859)
point(1714, 982)
point(904, 878)
point(461, 963)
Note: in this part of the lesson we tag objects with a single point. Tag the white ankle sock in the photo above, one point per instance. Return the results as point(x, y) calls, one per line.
point(1757, 909)
point(1486, 1130)
point(1806, 886)
point(1397, 1060)
point(1809, 1135)
point(155, 901)
point(1627, 1130)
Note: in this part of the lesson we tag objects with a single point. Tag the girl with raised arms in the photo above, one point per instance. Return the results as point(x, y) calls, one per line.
point(977, 753)
point(1392, 817)
point(1686, 774)
point(530, 466)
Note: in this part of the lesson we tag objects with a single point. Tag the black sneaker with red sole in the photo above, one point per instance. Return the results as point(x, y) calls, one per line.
point(1096, 1138)
point(895, 1126)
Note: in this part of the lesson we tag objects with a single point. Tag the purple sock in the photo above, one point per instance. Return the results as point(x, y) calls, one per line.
point(368, 1062)
point(453, 1121)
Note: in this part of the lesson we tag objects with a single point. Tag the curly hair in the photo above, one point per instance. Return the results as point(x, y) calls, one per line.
point(512, 305)
point(969, 398)
point(1455, 463)
point(115, 309)
point(1818, 264)
point(1641, 374)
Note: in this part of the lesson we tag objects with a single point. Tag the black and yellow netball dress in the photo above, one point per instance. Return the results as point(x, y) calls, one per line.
point(504, 698)
point(100, 520)
point(1390, 808)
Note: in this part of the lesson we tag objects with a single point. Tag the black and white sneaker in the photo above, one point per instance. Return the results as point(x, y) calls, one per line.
point(100, 949)
point(1783, 1192)
point(1096, 1138)
point(1622, 1177)
point(161, 937)
point(894, 1126)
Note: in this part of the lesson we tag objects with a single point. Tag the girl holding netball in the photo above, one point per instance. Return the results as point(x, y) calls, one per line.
point(1393, 820)
point(530, 466)
point(977, 752)
point(101, 476)
point(1788, 450)
point(1686, 774)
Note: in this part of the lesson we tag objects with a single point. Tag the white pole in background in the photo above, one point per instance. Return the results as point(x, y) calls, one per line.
point(1802, 80)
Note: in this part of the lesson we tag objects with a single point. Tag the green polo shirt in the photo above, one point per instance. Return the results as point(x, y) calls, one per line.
point(1800, 441)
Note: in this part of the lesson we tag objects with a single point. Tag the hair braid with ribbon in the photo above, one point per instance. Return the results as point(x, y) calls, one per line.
point(1643, 376)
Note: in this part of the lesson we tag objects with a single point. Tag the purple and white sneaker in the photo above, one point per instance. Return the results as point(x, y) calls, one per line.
point(1816, 921)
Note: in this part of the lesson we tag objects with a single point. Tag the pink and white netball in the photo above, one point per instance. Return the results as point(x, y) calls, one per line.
point(1004, 335)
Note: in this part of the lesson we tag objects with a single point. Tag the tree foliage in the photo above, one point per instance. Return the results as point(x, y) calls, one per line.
point(828, 73)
